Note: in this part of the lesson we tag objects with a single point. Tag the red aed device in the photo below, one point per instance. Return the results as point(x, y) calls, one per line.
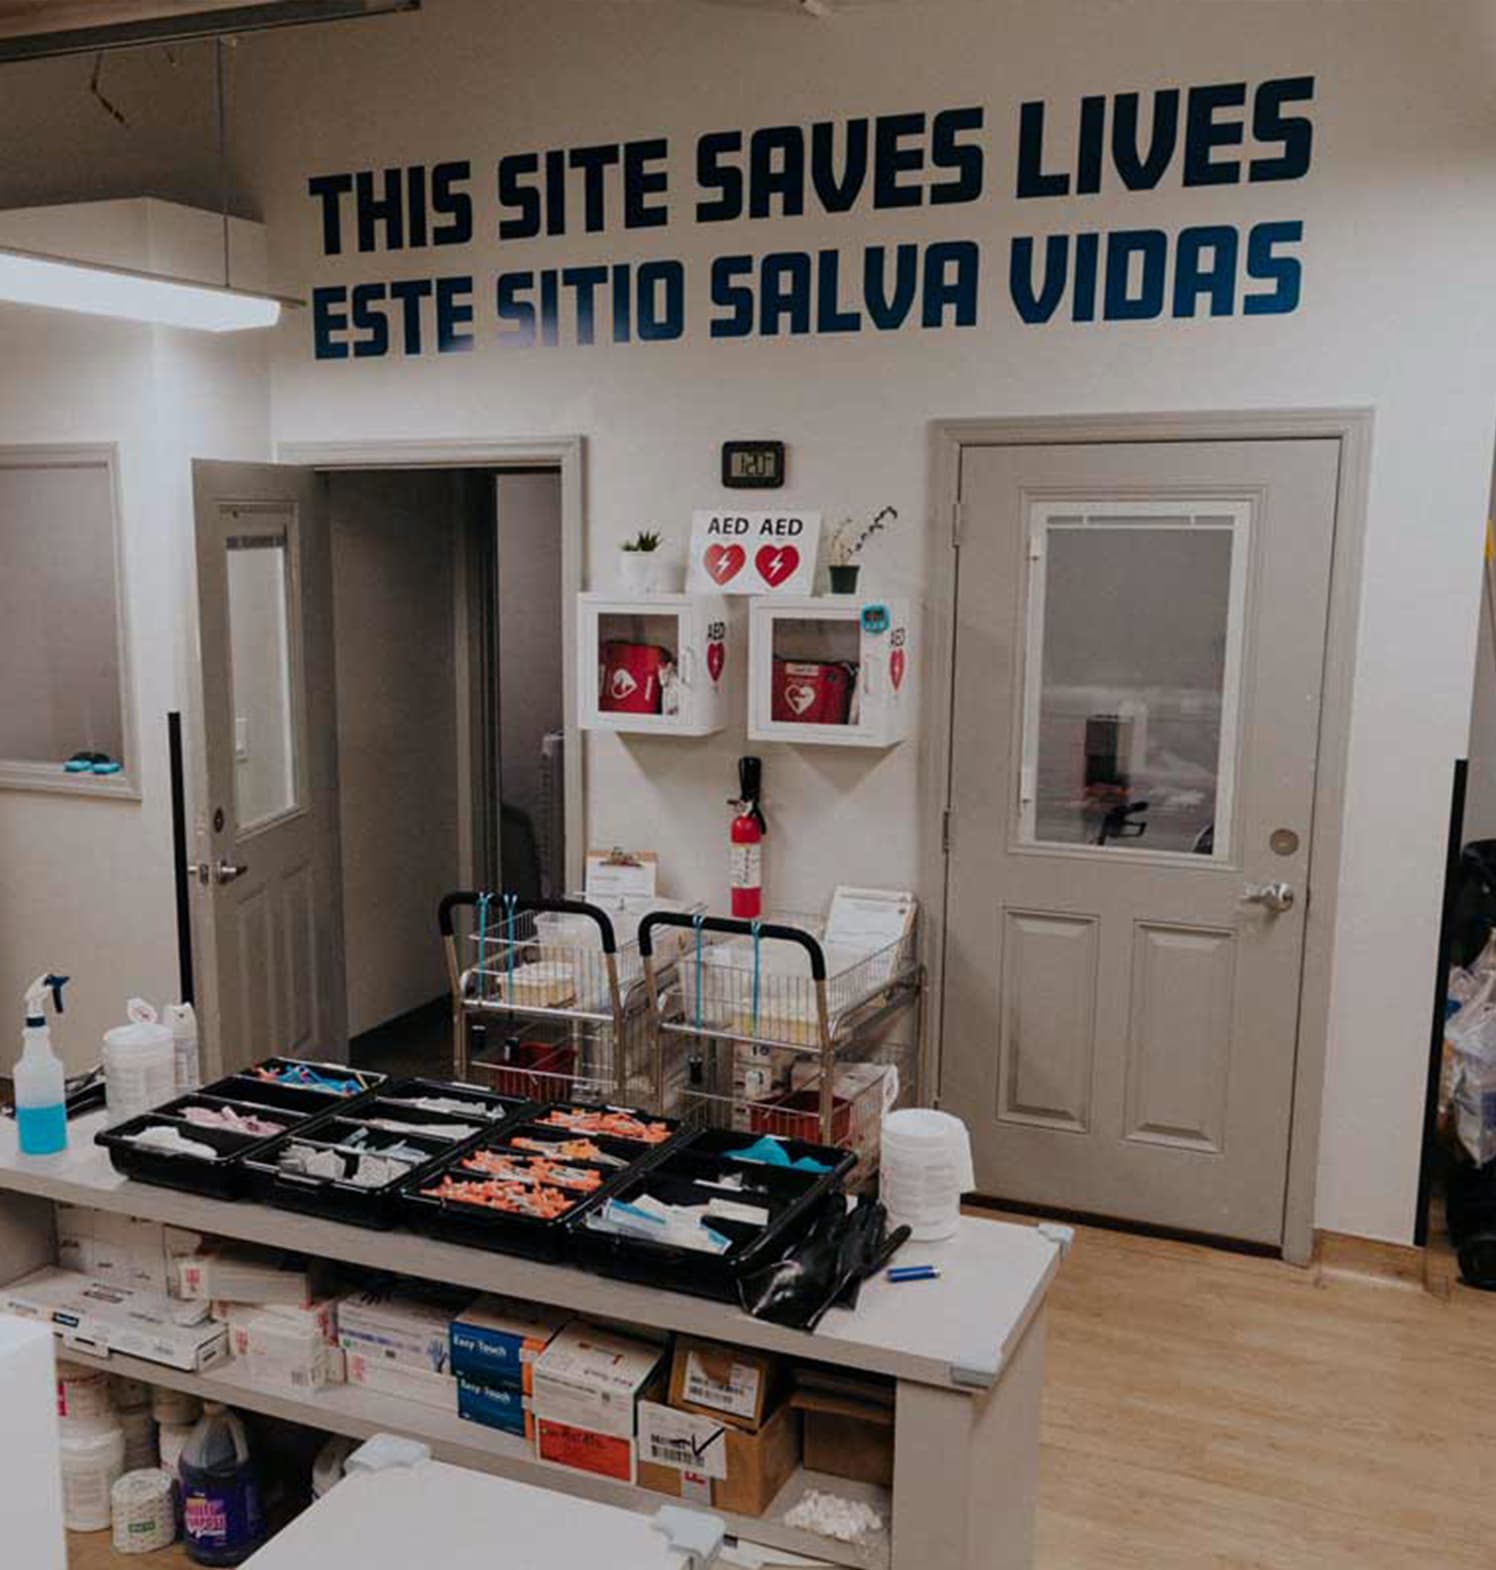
point(812, 692)
point(630, 677)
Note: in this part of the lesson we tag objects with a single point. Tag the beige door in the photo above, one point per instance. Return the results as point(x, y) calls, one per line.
point(268, 916)
point(1140, 639)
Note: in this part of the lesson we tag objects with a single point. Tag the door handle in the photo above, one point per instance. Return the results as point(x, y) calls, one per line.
point(227, 871)
point(1276, 897)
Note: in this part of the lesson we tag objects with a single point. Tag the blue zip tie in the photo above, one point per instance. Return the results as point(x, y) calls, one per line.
point(484, 901)
point(756, 959)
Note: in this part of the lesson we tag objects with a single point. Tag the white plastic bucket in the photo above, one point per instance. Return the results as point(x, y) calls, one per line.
point(926, 1167)
point(140, 1064)
point(177, 1408)
point(91, 1465)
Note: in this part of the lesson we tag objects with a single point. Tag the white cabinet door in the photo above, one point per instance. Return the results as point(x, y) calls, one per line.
point(831, 671)
point(657, 664)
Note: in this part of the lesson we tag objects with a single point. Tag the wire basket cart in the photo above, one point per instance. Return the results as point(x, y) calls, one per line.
point(552, 1005)
point(762, 1026)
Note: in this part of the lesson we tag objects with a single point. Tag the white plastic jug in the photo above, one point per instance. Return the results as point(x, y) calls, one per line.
point(924, 1169)
point(140, 1064)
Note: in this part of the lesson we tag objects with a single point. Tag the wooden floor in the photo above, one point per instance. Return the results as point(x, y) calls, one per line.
point(1208, 1411)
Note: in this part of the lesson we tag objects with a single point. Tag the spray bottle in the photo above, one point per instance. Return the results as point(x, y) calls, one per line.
point(40, 1084)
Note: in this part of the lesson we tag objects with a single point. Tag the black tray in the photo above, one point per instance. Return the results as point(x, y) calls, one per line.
point(222, 1178)
point(342, 1200)
point(792, 1196)
point(244, 1086)
point(526, 1235)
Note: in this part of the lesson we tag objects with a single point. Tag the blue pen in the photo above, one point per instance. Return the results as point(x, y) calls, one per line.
point(914, 1273)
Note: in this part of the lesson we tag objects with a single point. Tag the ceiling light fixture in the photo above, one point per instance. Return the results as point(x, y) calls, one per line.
point(91, 289)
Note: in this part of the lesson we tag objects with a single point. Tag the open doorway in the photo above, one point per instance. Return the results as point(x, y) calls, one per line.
point(418, 697)
point(451, 725)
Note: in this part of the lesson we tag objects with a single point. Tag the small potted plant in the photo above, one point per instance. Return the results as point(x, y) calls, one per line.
point(641, 564)
point(847, 542)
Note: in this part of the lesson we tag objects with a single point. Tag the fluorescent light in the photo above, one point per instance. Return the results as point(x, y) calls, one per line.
point(54, 282)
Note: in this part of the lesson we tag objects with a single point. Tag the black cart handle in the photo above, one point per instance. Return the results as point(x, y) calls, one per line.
point(466, 898)
point(733, 927)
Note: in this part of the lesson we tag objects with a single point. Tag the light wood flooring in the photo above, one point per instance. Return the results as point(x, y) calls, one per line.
point(1208, 1411)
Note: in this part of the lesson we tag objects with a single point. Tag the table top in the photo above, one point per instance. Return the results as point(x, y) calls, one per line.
point(432, 1513)
point(956, 1332)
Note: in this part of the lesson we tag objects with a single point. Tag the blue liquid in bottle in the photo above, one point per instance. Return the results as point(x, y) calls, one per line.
point(43, 1131)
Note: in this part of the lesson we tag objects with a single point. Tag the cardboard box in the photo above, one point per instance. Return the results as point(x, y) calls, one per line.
point(705, 1460)
point(100, 1317)
point(847, 1437)
point(585, 1450)
point(496, 1342)
point(405, 1381)
point(591, 1379)
point(409, 1324)
point(321, 1316)
point(504, 1407)
point(120, 1249)
point(736, 1384)
point(242, 1274)
point(281, 1354)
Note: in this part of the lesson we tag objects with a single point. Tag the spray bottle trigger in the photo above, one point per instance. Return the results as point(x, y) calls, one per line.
point(55, 984)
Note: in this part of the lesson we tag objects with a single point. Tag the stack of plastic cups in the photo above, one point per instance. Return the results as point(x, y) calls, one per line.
point(132, 1400)
point(92, 1446)
point(925, 1167)
point(144, 1511)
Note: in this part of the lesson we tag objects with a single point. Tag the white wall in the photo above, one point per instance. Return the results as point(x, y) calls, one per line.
point(393, 543)
point(86, 884)
point(1400, 210)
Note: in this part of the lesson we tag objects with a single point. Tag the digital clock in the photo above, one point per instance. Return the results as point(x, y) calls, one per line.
point(753, 466)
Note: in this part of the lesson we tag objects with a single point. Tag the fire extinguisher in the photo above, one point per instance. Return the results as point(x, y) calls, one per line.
point(748, 830)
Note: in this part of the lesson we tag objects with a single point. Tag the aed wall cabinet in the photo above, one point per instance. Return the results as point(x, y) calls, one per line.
point(830, 671)
point(655, 665)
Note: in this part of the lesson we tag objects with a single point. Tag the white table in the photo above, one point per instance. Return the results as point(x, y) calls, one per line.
point(432, 1514)
point(967, 1352)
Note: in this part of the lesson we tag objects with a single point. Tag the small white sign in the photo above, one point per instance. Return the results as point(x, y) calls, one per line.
point(753, 552)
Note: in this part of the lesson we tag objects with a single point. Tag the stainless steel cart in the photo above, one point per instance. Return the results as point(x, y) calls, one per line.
point(557, 1001)
point(818, 1049)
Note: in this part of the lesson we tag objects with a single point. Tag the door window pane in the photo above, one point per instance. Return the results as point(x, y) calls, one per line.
point(1132, 677)
point(260, 658)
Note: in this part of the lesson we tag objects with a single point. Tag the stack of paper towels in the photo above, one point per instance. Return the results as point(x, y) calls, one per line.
point(30, 1478)
point(925, 1169)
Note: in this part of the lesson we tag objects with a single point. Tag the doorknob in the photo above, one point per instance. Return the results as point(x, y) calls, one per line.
point(1276, 897)
point(227, 872)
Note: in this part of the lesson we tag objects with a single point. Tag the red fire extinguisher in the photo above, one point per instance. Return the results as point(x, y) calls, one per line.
point(748, 830)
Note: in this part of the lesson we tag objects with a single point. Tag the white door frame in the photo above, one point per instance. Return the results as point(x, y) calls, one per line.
point(1352, 428)
point(566, 453)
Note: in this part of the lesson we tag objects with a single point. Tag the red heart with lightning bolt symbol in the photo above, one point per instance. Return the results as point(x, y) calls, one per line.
point(775, 563)
point(716, 658)
point(724, 562)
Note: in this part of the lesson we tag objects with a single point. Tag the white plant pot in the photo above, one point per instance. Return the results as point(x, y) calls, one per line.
point(642, 572)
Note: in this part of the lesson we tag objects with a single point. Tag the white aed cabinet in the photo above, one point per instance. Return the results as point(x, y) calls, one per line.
point(830, 670)
point(656, 664)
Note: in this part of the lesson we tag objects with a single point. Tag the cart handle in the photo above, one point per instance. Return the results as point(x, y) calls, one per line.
point(571, 907)
point(734, 927)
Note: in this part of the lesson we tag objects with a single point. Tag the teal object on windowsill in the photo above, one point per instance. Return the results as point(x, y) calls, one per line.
point(91, 763)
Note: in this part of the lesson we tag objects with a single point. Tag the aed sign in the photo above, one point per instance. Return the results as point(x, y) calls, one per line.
point(753, 552)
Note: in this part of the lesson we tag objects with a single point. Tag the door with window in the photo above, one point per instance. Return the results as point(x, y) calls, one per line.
point(1140, 638)
point(268, 899)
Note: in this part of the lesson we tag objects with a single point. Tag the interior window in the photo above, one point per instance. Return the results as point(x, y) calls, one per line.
point(63, 721)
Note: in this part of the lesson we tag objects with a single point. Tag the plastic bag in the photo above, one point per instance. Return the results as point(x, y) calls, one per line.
point(841, 1247)
point(1471, 1035)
